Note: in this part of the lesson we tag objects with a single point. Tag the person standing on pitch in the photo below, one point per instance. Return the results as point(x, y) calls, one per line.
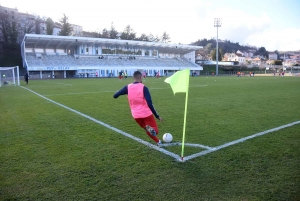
point(26, 76)
point(157, 75)
point(141, 107)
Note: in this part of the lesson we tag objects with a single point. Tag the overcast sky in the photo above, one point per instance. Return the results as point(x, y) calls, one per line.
point(274, 24)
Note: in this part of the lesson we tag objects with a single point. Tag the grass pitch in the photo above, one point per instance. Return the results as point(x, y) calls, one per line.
point(48, 152)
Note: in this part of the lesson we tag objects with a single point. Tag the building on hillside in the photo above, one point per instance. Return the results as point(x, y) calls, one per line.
point(31, 24)
point(272, 56)
point(245, 53)
point(240, 52)
point(42, 28)
point(47, 56)
point(256, 61)
point(200, 56)
point(9, 11)
point(248, 60)
point(57, 28)
point(285, 56)
point(76, 30)
point(27, 24)
point(235, 57)
point(295, 56)
point(226, 57)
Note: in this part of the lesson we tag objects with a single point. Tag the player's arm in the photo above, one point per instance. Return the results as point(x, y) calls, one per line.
point(123, 91)
point(149, 101)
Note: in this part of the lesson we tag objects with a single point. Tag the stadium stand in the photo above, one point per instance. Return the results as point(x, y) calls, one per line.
point(41, 57)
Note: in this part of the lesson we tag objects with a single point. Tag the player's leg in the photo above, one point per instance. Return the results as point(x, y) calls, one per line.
point(151, 127)
point(149, 124)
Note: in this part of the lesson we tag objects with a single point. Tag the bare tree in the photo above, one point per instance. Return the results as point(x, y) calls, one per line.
point(153, 38)
point(143, 37)
point(113, 33)
point(128, 33)
point(165, 38)
point(105, 33)
point(8, 27)
point(26, 25)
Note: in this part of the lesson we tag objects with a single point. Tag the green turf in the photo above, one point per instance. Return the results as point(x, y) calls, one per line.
point(48, 152)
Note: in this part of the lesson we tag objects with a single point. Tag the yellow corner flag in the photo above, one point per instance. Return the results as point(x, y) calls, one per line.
point(180, 83)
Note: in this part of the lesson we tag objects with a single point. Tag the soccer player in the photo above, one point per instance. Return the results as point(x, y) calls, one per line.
point(157, 74)
point(141, 107)
point(120, 75)
point(26, 77)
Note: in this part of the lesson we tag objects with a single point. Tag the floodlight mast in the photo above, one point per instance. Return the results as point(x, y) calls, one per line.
point(217, 23)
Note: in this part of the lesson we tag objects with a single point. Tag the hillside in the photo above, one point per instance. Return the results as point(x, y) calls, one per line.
point(225, 46)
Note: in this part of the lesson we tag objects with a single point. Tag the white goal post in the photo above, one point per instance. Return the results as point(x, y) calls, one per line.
point(9, 76)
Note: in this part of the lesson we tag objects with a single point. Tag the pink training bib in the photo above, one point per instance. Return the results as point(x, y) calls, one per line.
point(137, 102)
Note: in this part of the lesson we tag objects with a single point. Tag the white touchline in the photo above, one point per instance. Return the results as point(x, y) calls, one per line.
point(78, 93)
point(239, 141)
point(177, 157)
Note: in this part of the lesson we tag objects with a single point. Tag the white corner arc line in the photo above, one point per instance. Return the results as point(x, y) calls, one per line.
point(239, 141)
point(187, 144)
point(177, 157)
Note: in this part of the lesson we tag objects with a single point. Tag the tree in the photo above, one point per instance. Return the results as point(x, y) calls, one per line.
point(66, 26)
point(38, 21)
point(8, 27)
point(105, 33)
point(128, 33)
point(152, 38)
point(165, 38)
point(208, 48)
point(49, 26)
point(277, 53)
point(113, 33)
point(143, 37)
point(262, 52)
point(28, 25)
point(276, 62)
point(213, 55)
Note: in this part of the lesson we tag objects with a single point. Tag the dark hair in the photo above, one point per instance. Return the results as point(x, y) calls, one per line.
point(137, 74)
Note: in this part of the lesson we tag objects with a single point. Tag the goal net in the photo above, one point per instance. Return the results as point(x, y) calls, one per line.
point(9, 76)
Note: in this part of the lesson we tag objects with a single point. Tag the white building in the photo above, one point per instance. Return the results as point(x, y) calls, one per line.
point(76, 30)
point(235, 57)
point(245, 53)
point(272, 56)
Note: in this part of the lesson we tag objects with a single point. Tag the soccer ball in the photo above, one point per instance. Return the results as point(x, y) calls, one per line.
point(167, 137)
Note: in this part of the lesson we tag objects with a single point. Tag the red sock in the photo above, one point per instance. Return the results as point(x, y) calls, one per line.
point(153, 137)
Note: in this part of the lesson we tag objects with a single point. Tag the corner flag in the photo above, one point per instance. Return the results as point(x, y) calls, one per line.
point(180, 83)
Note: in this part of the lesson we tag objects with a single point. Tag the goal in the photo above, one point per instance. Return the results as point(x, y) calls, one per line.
point(9, 76)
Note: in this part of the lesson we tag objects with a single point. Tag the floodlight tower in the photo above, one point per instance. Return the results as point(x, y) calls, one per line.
point(217, 23)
